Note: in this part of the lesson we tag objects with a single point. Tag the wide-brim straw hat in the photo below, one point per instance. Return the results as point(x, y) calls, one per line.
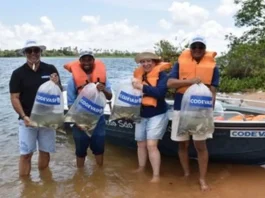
point(32, 43)
point(146, 55)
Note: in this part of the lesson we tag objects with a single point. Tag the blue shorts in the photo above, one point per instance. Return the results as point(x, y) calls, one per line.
point(152, 128)
point(96, 141)
point(29, 136)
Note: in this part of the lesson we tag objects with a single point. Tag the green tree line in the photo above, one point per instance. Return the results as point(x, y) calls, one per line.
point(70, 51)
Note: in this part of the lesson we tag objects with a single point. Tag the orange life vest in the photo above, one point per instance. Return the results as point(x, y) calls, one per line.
point(81, 77)
point(189, 68)
point(248, 118)
point(219, 118)
point(151, 80)
point(259, 118)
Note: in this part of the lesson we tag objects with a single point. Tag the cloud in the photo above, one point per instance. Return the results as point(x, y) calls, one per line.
point(6, 34)
point(47, 23)
point(26, 29)
point(186, 14)
point(227, 8)
point(211, 29)
point(93, 20)
point(165, 24)
point(120, 35)
point(214, 33)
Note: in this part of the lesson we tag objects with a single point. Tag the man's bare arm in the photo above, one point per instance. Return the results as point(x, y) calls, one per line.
point(16, 104)
point(107, 94)
point(175, 83)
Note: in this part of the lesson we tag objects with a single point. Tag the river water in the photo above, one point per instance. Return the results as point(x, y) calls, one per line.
point(115, 178)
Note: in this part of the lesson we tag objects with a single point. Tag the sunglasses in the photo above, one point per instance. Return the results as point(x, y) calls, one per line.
point(30, 50)
point(197, 47)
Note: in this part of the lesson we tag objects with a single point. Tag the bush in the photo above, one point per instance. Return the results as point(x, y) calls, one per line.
point(229, 85)
point(168, 53)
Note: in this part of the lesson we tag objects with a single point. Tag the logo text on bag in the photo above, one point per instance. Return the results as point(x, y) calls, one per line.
point(201, 101)
point(129, 99)
point(48, 99)
point(90, 106)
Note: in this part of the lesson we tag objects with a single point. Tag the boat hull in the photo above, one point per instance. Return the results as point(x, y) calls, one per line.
point(231, 142)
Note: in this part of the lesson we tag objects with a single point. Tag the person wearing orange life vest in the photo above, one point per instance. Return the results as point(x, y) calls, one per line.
point(88, 70)
point(151, 79)
point(194, 66)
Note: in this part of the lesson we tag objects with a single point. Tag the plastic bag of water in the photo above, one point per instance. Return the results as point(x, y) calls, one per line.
point(196, 114)
point(48, 107)
point(87, 108)
point(127, 103)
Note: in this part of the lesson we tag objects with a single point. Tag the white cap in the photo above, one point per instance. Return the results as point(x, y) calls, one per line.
point(198, 39)
point(32, 43)
point(86, 53)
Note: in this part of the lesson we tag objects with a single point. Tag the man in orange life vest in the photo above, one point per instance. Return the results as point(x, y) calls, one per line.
point(194, 66)
point(88, 69)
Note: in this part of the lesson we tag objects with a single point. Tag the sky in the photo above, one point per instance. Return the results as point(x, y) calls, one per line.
point(133, 25)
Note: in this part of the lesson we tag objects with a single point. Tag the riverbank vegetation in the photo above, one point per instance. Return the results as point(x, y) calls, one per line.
point(71, 52)
point(242, 68)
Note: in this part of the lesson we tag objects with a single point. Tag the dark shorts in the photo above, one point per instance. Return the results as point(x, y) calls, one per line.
point(96, 142)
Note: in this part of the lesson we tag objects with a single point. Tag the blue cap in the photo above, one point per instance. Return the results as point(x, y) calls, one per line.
point(86, 53)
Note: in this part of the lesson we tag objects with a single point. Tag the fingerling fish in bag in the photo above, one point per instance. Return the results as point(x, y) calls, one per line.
point(48, 107)
point(127, 103)
point(87, 108)
point(196, 114)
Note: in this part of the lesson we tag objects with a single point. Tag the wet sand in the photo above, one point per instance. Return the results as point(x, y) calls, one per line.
point(115, 179)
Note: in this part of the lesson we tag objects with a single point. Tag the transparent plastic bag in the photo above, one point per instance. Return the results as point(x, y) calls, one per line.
point(127, 103)
point(48, 107)
point(218, 110)
point(196, 114)
point(87, 108)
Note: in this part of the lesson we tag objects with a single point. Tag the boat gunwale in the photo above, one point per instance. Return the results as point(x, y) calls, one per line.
point(227, 107)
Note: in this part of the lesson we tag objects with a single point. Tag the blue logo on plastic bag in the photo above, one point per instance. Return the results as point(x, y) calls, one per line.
point(201, 101)
point(90, 106)
point(48, 99)
point(130, 99)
